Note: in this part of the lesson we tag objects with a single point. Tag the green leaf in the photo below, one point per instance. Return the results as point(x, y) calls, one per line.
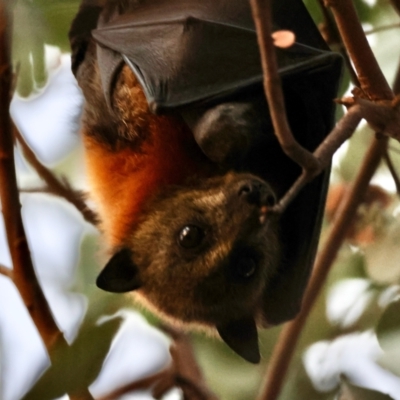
point(37, 23)
point(75, 367)
point(389, 324)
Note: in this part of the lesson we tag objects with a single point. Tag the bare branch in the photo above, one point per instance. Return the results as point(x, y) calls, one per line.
point(183, 372)
point(261, 10)
point(382, 28)
point(287, 342)
point(370, 76)
point(376, 87)
point(382, 116)
point(393, 171)
point(188, 374)
point(331, 35)
point(144, 383)
point(54, 185)
point(340, 133)
point(6, 272)
point(24, 274)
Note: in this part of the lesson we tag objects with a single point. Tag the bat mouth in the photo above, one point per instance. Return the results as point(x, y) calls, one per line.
point(264, 214)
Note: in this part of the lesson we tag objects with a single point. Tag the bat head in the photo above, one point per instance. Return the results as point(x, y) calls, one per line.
point(204, 254)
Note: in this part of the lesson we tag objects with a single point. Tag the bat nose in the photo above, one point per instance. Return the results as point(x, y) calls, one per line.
point(257, 192)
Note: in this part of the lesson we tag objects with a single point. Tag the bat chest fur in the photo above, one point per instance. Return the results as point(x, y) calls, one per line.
point(122, 180)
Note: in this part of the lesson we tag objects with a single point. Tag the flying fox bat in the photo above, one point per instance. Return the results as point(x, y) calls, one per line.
point(184, 165)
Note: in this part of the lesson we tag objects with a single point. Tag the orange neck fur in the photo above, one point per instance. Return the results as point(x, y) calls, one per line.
point(123, 180)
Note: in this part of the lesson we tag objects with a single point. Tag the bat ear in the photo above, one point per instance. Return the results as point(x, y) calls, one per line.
point(120, 274)
point(241, 336)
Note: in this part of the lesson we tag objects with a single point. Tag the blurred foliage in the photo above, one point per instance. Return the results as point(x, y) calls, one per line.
point(37, 23)
point(371, 252)
point(75, 367)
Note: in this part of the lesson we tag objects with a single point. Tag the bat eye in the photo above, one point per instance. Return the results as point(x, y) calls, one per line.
point(245, 268)
point(190, 236)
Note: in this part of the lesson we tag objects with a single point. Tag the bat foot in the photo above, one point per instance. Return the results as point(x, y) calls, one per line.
point(226, 132)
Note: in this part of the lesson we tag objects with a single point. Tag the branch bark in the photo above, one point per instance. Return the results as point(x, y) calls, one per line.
point(375, 86)
point(54, 185)
point(8, 272)
point(144, 383)
point(261, 10)
point(370, 76)
point(331, 35)
point(324, 152)
point(183, 372)
point(290, 334)
point(23, 273)
point(393, 171)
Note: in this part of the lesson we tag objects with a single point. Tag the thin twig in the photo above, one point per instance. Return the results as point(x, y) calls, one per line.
point(261, 10)
point(188, 375)
point(284, 349)
point(6, 272)
point(144, 383)
point(393, 171)
point(370, 76)
point(340, 133)
point(24, 274)
point(332, 36)
point(183, 372)
point(54, 185)
point(382, 28)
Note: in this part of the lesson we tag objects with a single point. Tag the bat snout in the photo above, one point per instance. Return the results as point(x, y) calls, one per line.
point(256, 192)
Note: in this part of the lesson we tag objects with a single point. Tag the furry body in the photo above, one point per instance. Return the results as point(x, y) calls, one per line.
point(134, 172)
point(183, 197)
point(126, 170)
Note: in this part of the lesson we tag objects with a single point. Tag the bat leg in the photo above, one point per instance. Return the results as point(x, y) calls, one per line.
point(226, 132)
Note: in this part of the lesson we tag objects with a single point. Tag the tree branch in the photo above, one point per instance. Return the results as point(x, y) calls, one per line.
point(324, 152)
point(393, 171)
point(6, 272)
point(188, 375)
point(24, 274)
point(183, 372)
point(370, 76)
point(331, 35)
point(144, 383)
point(261, 10)
point(376, 87)
point(54, 185)
point(382, 28)
point(284, 349)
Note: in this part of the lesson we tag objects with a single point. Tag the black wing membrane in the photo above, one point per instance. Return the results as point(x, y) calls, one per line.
point(188, 53)
point(181, 65)
point(192, 54)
